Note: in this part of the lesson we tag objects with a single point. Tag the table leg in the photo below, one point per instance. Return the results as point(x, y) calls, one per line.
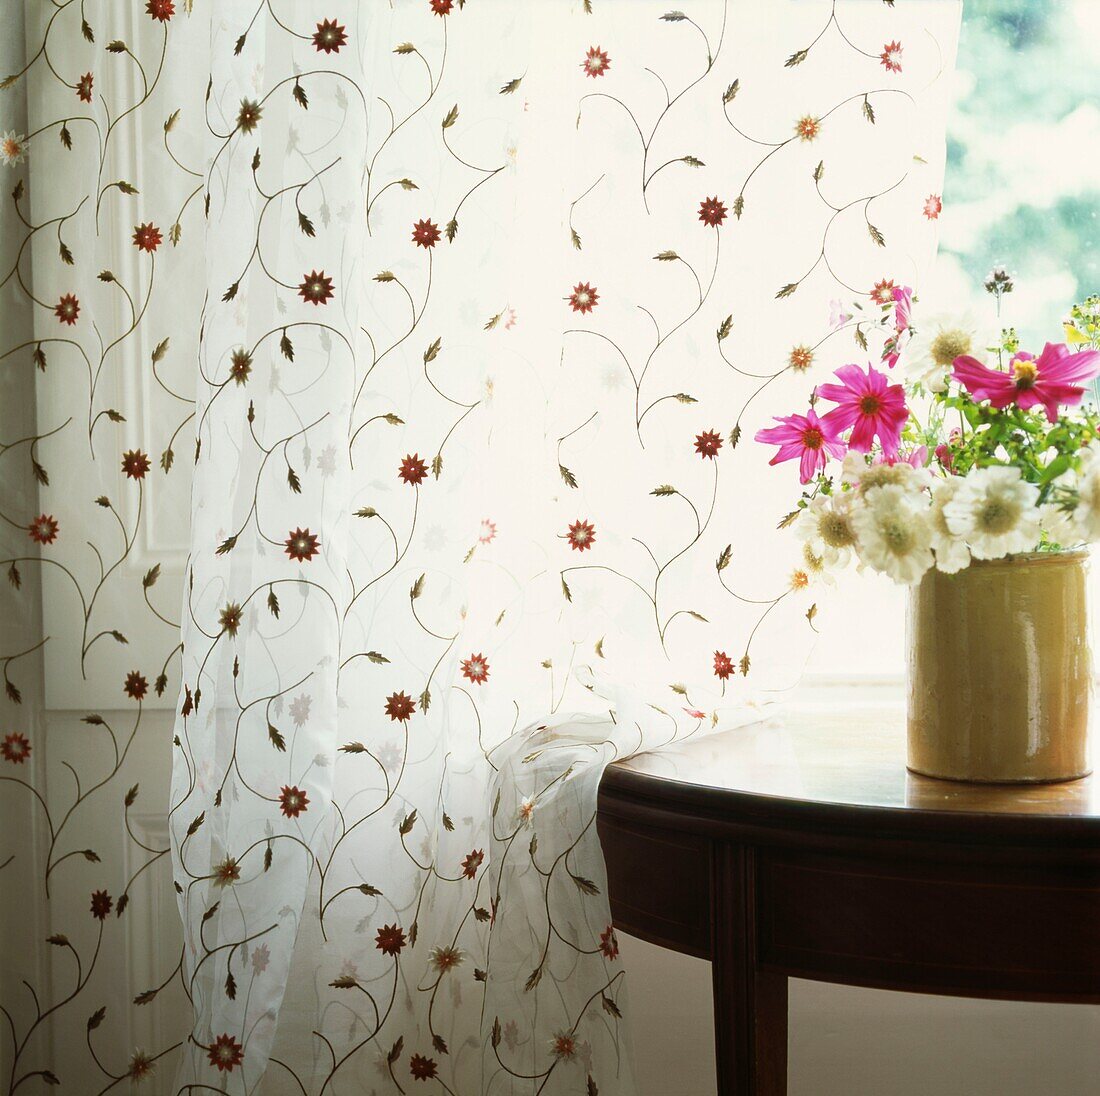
point(750, 1005)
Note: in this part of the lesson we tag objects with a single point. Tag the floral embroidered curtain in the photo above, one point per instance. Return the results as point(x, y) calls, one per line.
point(374, 386)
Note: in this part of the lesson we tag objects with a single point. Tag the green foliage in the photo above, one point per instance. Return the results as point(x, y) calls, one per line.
point(1026, 440)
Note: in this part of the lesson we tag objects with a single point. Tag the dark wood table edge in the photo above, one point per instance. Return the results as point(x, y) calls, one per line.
point(724, 836)
point(734, 814)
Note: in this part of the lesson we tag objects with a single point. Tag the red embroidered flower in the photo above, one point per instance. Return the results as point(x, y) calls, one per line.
point(800, 358)
point(261, 956)
point(135, 686)
point(488, 531)
point(445, 959)
point(240, 365)
point(423, 1069)
point(161, 10)
point(329, 37)
point(147, 237)
point(442, 7)
point(67, 309)
point(249, 115)
point(316, 288)
point(707, 444)
point(596, 62)
point(933, 206)
point(583, 298)
point(581, 535)
point(225, 1053)
point(390, 939)
point(883, 293)
point(292, 801)
point(400, 707)
point(43, 530)
point(102, 903)
point(141, 1066)
point(302, 545)
point(15, 748)
point(807, 127)
point(135, 464)
point(472, 863)
point(425, 234)
point(84, 88)
point(712, 212)
point(230, 617)
point(563, 1045)
point(723, 665)
point(476, 669)
point(412, 470)
point(609, 943)
point(891, 57)
point(227, 872)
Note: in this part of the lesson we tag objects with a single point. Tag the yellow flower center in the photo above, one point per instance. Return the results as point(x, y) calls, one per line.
point(1026, 373)
point(879, 475)
point(834, 530)
point(949, 345)
point(898, 535)
point(997, 517)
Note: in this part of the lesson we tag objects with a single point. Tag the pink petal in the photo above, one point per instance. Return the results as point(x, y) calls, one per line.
point(863, 434)
point(807, 466)
point(1056, 363)
point(840, 418)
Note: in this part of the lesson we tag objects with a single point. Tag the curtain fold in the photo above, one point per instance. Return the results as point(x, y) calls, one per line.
point(455, 320)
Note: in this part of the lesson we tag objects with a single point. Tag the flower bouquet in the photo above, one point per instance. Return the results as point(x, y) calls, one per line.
point(975, 482)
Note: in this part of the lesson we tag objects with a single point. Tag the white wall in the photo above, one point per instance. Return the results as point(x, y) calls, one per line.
point(846, 1041)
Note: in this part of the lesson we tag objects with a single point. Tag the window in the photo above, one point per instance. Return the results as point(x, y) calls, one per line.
point(1020, 191)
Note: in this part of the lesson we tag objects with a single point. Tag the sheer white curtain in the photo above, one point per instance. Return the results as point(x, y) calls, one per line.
point(482, 304)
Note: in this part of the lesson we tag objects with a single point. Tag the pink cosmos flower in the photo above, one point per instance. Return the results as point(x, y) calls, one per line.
point(944, 452)
point(812, 440)
point(869, 405)
point(915, 458)
point(1055, 377)
point(838, 314)
point(903, 307)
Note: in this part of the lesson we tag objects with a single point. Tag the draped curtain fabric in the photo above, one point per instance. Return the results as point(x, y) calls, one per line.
point(455, 320)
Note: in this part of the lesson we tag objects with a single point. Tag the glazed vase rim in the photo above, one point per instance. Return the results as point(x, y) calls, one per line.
point(1063, 555)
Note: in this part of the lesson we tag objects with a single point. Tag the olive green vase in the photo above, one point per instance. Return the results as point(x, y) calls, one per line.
point(1000, 671)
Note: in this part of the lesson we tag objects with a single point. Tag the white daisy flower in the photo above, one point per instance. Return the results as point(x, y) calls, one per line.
point(825, 528)
point(856, 472)
point(815, 568)
point(937, 342)
point(13, 148)
point(952, 553)
point(894, 533)
point(1059, 524)
point(1086, 516)
point(995, 512)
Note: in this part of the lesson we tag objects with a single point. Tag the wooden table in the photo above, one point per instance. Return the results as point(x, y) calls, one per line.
point(801, 847)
